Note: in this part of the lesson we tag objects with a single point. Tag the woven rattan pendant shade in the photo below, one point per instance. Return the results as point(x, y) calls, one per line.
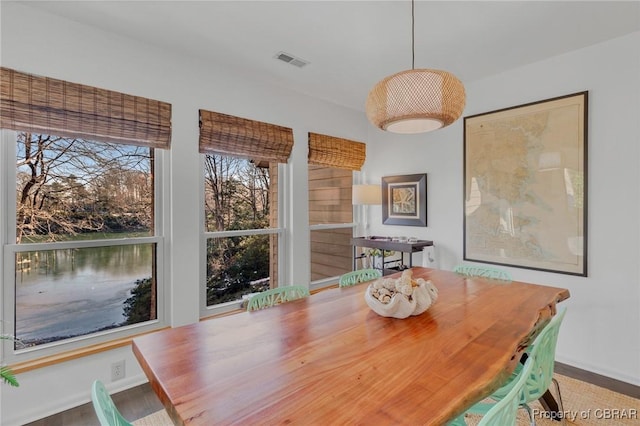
point(258, 141)
point(32, 103)
point(415, 101)
point(336, 152)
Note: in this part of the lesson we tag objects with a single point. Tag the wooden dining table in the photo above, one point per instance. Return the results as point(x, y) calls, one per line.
point(329, 359)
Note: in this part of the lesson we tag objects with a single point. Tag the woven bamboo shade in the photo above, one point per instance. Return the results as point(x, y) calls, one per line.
point(229, 135)
point(45, 105)
point(336, 152)
point(414, 101)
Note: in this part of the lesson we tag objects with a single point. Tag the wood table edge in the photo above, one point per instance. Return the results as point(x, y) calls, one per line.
point(545, 314)
point(156, 386)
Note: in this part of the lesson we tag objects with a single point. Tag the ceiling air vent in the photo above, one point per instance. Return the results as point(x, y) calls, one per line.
point(290, 59)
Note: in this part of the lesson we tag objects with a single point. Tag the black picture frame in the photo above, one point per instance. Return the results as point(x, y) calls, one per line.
point(535, 215)
point(404, 200)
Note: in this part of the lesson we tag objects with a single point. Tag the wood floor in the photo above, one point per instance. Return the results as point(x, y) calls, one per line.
point(140, 401)
point(598, 380)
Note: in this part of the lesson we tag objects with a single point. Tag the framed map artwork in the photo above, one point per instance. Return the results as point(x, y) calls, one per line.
point(525, 185)
point(404, 200)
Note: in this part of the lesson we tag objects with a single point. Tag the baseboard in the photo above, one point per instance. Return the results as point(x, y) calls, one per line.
point(598, 380)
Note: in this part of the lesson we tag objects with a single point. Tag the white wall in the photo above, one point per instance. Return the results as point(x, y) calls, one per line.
point(36, 42)
point(601, 331)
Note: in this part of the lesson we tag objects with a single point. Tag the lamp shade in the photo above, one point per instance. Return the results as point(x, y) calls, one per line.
point(416, 101)
point(366, 194)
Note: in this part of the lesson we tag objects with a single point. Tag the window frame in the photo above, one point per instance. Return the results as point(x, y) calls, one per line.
point(222, 308)
point(8, 142)
point(326, 282)
point(334, 153)
point(329, 281)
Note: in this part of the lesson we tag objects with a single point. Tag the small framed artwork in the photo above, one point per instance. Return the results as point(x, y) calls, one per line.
point(404, 200)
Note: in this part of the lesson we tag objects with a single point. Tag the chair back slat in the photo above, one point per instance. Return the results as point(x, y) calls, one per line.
point(543, 350)
point(106, 410)
point(359, 276)
point(275, 296)
point(482, 271)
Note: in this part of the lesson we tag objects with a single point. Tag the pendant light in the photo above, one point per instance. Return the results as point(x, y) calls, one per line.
point(415, 100)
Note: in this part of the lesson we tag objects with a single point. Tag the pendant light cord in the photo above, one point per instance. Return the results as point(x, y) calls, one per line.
point(413, 36)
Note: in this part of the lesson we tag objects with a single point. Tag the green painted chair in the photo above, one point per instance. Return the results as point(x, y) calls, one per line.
point(275, 296)
point(359, 276)
point(505, 411)
point(482, 271)
point(106, 410)
point(538, 380)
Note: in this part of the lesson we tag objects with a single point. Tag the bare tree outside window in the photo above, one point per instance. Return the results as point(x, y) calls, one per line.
point(237, 197)
point(67, 187)
point(74, 190)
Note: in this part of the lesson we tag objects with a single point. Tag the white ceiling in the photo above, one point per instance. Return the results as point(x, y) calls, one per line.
point(352, 44)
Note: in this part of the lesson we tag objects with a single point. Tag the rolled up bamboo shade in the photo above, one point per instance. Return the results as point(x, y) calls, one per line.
point(336, 152)
point(230, 135)
point(32, 103)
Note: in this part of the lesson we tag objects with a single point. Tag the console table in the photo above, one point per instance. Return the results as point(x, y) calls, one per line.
point(388, 244)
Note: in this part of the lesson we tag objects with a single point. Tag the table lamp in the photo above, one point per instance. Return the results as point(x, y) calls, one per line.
point(366, 195)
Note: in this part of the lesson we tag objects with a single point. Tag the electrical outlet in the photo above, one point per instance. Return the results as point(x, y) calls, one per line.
point(117, 370)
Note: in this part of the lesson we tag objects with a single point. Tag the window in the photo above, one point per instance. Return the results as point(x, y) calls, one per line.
point(240, 212)
point(331, 164)
point(241, 188)
point(81, 236)
point(84, 245)
point(330, 220)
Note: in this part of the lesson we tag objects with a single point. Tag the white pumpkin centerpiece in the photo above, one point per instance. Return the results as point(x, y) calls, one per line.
point(401, 297)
